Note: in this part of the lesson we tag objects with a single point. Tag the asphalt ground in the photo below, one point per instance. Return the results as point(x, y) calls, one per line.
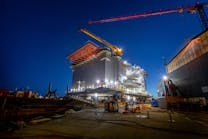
point(97, 124)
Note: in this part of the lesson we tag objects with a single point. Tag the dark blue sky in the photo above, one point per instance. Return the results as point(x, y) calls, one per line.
point(37, 35)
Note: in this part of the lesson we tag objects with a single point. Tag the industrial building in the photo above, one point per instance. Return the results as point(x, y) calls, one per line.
point(95, 66)
point(187, 74)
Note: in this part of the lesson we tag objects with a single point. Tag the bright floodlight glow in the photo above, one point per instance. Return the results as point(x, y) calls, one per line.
point(125, 62)
point(120, 50)
point(128, 97)
point(106, 80)
point(124, 78)
point(96, 94)
point(165, 78)
point(111, 81)
point(97, 81)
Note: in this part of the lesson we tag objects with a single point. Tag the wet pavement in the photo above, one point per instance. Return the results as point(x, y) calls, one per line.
point(97, 124)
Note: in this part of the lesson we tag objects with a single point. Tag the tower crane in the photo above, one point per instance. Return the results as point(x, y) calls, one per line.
point(116, 50)
point(197, 8)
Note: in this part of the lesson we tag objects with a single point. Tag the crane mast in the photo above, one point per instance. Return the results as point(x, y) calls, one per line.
point(202, 15)
point(117, 51)
point(198, 8)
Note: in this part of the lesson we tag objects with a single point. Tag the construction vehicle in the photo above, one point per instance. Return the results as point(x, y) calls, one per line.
point(111, 106)
point(116, 51)
point(197, 8)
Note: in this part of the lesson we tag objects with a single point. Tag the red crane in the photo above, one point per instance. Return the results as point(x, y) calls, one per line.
point(197, 8)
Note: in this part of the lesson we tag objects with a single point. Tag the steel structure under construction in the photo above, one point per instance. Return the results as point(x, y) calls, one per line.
point(188, 69)
point(94, 66)
point(186, 84)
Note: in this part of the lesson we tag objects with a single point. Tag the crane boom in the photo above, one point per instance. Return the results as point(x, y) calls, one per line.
point(120, 18)
point(115, 49)
point(199, 8)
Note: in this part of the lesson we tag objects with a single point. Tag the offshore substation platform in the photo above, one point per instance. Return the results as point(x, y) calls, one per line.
point(100, 70)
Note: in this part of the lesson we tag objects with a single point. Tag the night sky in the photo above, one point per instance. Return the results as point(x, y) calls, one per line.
point(37, 35)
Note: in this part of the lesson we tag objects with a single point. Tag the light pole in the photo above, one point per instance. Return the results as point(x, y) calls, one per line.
point(97, 82)
point(106, 83)
point(96, 99)
point(165, 78)
point(79, 85)
point(169, 105)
